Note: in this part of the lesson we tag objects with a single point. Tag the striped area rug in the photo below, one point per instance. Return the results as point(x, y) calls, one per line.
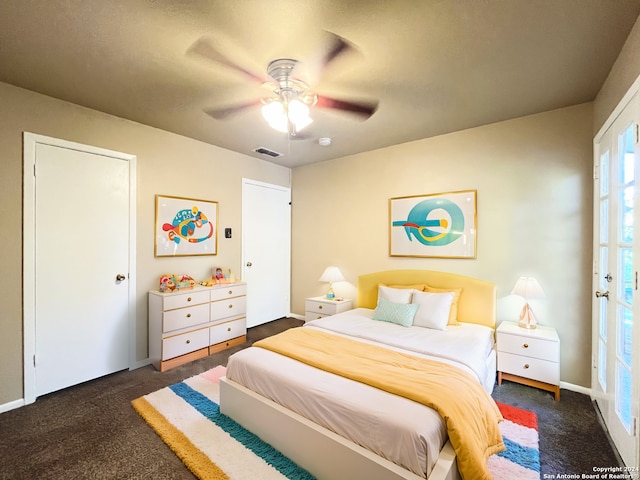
point(187, 417)
point(521, 459)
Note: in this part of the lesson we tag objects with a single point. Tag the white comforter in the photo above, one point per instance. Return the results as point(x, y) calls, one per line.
point(466, 345)
point(398, 429)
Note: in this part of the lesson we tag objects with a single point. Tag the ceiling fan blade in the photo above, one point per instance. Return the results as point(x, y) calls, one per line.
point(336, 46)
point(204, 48)
point(362, 109)
point(225, 112)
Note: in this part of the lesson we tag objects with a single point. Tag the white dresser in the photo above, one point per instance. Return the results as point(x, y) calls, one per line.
point(189, 324)
point(318, 307)
point(529, 356)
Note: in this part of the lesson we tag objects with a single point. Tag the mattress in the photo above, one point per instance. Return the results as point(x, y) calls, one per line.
point(400, 430)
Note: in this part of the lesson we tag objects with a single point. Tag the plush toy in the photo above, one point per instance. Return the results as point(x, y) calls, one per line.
point(186, 282)
point(167, 283)
point(171, 282)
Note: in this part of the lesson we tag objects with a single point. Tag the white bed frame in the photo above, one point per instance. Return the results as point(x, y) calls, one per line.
point(323, 453)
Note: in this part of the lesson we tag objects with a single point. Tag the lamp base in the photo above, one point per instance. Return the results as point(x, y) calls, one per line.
point(527, 318)
point(330, 294)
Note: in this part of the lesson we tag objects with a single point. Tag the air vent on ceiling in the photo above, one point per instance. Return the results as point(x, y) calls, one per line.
point(266, 151)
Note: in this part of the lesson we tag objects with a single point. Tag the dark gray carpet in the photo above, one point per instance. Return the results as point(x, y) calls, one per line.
point(90, 431)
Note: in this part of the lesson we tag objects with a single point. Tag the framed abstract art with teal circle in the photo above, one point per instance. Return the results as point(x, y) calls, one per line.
point(442, 225)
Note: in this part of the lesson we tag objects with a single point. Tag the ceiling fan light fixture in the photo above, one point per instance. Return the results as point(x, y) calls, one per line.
point(275, 116)
point(278, 115)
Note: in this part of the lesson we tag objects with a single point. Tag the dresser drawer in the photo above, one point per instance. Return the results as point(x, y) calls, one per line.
point(528, 367)
point(529, 347)
point(185, 343)
point(228, 292)
point(185, 300)
point(227, 330)
point(185, 317)
point(227, 308)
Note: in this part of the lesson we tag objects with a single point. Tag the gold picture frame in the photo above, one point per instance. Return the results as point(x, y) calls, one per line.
point(439, 225)
point(185, 226)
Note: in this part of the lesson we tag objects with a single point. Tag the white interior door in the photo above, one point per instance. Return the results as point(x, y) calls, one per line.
point(616, 308)
point(266, 250)
point(79, 290)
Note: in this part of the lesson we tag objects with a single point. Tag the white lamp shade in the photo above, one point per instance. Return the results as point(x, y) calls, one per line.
point(331, 274)
point(529, 288)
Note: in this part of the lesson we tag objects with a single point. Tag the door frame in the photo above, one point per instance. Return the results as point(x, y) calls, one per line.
point(30, 141)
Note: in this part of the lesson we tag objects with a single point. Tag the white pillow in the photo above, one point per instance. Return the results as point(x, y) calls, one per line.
point(395, 295)
point(434, 309)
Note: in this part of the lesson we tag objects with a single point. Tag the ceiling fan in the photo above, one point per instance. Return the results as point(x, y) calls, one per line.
point(288, 106)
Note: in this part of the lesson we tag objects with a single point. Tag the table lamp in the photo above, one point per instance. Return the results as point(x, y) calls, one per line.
point(331, 274)
point(530, 289)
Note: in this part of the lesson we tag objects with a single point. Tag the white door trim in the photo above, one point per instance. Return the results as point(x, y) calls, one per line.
point(30, 140)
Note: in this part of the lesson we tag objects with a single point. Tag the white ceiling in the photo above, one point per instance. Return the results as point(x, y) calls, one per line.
point(434, 66)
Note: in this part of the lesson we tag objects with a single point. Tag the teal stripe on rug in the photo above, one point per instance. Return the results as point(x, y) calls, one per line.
point(211, 411)
point(524, 456)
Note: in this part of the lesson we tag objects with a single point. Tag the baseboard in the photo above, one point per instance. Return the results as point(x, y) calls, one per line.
point(140, 364)
point(12, 405)
point(295, 315)
point(576, 388)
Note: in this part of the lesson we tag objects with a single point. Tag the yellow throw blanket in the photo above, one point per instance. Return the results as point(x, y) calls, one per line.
point(470, 414)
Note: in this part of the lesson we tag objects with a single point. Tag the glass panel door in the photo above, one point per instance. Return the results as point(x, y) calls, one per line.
point(615, 304)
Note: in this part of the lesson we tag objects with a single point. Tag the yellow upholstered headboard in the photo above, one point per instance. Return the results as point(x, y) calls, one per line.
point(477, 302)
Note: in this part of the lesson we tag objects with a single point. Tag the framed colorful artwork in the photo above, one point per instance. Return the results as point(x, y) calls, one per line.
point(442, 225)
point(185, 226)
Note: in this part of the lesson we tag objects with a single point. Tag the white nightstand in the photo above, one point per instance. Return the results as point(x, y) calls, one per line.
point(318, 307)
point(529, 356)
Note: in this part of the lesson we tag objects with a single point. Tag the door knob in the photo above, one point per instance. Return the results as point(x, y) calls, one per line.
point(249, 264)
point(120, 277)
point(600, 294)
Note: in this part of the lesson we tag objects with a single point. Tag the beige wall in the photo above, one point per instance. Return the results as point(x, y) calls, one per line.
point(533, 177)
point(624, 72)
point(166, 164)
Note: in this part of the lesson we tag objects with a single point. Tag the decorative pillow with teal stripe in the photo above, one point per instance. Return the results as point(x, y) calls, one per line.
point(400, 313)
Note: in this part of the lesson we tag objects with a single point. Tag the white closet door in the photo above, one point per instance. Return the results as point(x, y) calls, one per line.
point(81, 266)
point(266, 250)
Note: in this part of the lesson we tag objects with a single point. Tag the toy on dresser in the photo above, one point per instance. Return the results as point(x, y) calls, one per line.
point(171, 282)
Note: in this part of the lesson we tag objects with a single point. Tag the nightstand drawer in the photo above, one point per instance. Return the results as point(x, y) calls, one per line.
point(313, 316)
point(325, 308)
point(528, 367)
point(529, 347)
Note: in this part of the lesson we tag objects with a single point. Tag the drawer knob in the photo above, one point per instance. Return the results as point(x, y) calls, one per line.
point(188, 341)
point(228, 329)
point(230, 305)
point(320, 307)
point(188, 315)
point(230, 292)
point(188, 299)
point(525, 345)
point(526, 365)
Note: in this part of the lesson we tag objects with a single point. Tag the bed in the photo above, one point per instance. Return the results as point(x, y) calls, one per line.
point(336, 427)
